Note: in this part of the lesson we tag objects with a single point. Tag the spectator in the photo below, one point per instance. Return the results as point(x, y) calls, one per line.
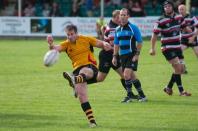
point(153, 8)
point(96, 3)
point(143, 2)
point(75, 11)
point(124, 3)
point(89, 7)
point(46, 10)
point(135, 9)
point(154, 4)
point(116, 2)
point(9, 8)
point(55, 11)
point(29, 10)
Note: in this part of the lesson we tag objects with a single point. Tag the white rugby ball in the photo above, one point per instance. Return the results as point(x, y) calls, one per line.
point(51, 57)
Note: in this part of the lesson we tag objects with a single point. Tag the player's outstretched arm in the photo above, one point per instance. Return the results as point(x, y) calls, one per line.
point(50, 41)
point(102, 44)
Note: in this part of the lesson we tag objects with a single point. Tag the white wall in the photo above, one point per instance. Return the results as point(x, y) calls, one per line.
point(42, 26)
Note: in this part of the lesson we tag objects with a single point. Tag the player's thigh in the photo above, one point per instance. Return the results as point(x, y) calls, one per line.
point(127, 73)
point(91, 73)
point(120, 72)
point(88, 72)
point(101, 76)
point(183, 47)
point(195, 49)
point(105, 61)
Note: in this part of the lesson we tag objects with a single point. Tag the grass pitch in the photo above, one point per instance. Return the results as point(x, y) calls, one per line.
point(34, 97)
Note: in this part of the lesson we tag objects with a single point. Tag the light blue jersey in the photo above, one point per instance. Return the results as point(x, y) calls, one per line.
point(126, 37)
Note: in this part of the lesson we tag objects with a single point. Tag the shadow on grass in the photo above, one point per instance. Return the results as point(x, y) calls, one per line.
point(170, 102)
point(142, 128)
point(32, 121)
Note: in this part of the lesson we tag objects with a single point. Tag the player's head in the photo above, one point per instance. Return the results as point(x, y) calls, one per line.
point(124, 15)
point(182, 9)
point(71, 32)
point(168, 6)
point(116, 16)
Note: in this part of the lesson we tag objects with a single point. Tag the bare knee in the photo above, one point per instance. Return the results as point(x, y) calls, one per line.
point(101, 77)
point(179, 68)
point(127, 76)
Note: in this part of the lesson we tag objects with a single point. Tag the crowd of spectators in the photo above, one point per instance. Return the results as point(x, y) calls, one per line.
point(85, 8)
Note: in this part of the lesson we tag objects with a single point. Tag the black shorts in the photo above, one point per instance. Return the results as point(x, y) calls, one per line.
point(126, 62)
point(185, 43)
point(95, 70)
point(105, 61)
point(190, 45)
point(173, 53)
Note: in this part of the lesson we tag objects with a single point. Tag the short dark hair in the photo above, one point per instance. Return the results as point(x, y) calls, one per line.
point(128, 13)
point(71, 27)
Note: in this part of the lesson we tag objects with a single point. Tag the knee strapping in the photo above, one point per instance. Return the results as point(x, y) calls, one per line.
point(81, 78)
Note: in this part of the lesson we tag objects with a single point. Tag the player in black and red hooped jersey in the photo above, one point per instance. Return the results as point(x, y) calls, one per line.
point(169, 26)
point(189, 39)
point(105, 57)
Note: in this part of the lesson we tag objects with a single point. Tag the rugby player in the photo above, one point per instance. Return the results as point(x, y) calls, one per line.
point(79, 49)
point(169, 25)
point(105, 57)
point(126, 36)
point(189, 39)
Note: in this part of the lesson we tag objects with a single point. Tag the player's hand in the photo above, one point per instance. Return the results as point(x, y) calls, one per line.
point(191, 40)
point(152, 52)
point(50, 40)
point(114, 61)
point(107, 46)
point(135, 58)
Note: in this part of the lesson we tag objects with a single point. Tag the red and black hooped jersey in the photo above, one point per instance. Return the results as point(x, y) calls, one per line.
point(191, 22)
point(110, 32)
point(169, 28)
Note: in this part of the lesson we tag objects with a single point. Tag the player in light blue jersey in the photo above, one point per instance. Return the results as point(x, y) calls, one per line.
point(126, 37)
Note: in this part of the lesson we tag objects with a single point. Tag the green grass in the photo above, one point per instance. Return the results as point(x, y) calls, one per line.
point(33, 97)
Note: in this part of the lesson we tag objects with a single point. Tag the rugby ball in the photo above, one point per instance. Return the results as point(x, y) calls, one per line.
point(51, 57)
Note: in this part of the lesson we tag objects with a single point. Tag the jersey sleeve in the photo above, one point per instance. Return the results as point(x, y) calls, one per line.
point(137, 34)
point(156, 28)
point(195, 21)
point(106, 33)
point(92, 40)
point(63, 45)
point(183, 22)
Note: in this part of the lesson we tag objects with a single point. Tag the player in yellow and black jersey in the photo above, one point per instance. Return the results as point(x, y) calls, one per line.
point(80, 52)
point(79, 48)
